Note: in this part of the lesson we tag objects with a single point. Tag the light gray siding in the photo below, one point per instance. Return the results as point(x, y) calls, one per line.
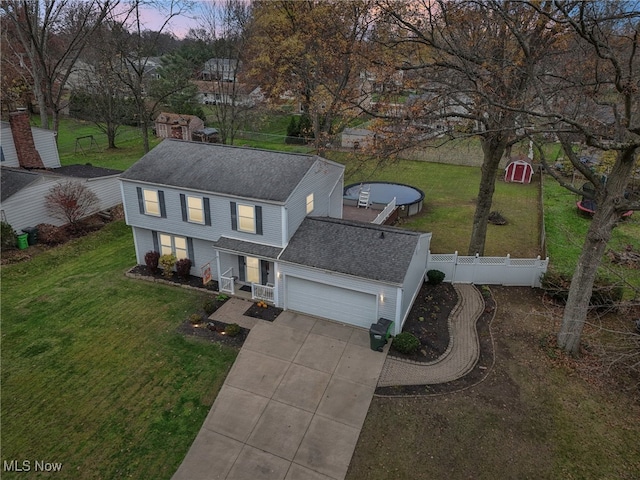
point(107, 189)
point(220, 208)
point(321, 180)
point(44, 140)
point(415, 277)
point(28, 207)
point(203, 252)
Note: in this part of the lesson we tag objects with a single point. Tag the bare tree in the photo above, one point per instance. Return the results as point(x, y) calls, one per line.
point(473, 78)
point(71, 201)
point(313, 51)
point(597, 100)
point(133, 65)
point(224, 26)
point(52, 35)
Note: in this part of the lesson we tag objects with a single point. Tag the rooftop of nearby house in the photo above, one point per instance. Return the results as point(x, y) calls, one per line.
point(86, 171)
point(360, 249)
point(223, 169)
point(177, 118)
point(14, 180)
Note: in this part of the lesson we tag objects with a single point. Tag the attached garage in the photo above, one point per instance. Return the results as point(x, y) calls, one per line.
point(322, 300)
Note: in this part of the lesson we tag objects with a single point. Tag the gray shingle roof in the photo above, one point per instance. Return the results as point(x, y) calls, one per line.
point(361, 249)
point(86, 171)
point(215, 168)
point(12, 181)
point(248, 248)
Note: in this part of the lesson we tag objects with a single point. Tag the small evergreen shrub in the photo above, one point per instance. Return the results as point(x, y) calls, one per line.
point(151, 260)
point(8, 236)
point(435, 277)
point(209, 307)
point(195, 318)
point(221, 298)
point(167, 262)
point(406, 343)
point(183, 267)
point(232, 329)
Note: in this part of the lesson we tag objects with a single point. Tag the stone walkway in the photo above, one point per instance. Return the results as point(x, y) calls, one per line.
point(460, 357)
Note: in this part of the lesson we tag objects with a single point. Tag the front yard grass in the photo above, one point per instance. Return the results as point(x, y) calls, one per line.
point(94, 374)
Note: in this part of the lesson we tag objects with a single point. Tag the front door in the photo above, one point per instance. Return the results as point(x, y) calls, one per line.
point(252, 270)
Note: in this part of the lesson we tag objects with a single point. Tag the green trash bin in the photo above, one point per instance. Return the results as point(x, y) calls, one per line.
point(23, 241)
point(32, 233)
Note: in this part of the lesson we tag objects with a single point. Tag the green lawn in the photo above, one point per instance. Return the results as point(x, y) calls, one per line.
point(566, 231)
point(449, 204)
point(93, 373)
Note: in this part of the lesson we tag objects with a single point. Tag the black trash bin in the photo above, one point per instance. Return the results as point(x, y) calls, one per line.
point(377, 336)
point(32, 234)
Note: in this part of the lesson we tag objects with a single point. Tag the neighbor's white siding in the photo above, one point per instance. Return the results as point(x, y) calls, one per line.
point(44, 140)
point(414, 278)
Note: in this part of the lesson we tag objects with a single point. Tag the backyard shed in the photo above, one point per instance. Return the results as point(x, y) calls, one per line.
point(518, 170)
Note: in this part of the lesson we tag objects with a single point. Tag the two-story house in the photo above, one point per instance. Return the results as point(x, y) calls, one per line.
point(271, 222)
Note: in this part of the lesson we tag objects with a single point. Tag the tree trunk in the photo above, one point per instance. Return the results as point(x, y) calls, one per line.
point(493, 148)
point(598, 235)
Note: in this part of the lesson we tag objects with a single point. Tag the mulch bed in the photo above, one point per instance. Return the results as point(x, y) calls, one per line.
point(269, 314)
point(428, 320)
point(190, 281)
point(475, 376)
point(211, 331)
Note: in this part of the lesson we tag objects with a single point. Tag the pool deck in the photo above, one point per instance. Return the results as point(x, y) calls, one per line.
point(366, 215)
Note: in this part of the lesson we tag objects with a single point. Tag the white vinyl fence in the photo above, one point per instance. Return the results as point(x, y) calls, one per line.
point(489, 270)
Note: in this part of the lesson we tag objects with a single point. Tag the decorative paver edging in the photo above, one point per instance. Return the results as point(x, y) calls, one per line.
point(461, 355)
point(129, 273)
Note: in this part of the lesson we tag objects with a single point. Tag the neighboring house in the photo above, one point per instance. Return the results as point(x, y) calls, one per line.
point(31, 167)
point(176, 125)
point(214, 93)
point(357, 138)
point(271, 222)
point(225, 69)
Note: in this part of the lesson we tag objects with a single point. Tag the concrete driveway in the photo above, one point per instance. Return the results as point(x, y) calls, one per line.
point(292, 406)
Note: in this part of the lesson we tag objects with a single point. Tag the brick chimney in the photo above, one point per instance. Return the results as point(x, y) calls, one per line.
point(28, 156)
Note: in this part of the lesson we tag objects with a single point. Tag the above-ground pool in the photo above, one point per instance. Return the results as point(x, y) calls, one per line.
point(409, 199)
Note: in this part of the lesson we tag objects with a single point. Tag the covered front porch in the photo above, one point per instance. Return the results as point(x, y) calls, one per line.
point(247, 270)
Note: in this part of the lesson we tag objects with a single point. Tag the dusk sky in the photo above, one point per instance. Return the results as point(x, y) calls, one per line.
point(154, 17)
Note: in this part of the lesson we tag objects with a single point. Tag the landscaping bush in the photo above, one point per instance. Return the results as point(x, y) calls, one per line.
point(195, 318)
point(232, 329)
point(209, 307)
point(183, 267)
point(8, 236)
point(406, 343)
point(51, 235)
point(151, 259)
point(435, 277)
point(167, 262)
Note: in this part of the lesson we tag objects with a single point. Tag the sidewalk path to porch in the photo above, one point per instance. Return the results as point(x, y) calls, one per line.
point(293, 404)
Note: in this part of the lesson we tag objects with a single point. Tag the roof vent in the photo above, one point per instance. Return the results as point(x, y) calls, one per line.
point(382, 235)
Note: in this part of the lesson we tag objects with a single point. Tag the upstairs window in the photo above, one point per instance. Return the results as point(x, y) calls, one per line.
point(151, 202)
point(246, 218)
point(195, 209)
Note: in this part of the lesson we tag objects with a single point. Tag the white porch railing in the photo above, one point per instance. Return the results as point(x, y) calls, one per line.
point(227, 282)
point(384, 214)
point(262, 292)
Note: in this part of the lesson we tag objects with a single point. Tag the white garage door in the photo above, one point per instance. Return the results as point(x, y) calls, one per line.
point(322, 300)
